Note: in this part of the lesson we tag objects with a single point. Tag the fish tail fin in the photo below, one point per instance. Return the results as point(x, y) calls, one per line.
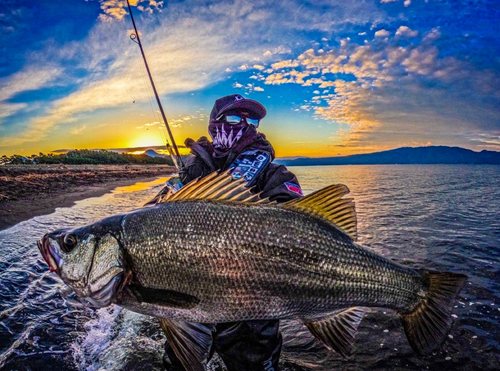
point(427, 326)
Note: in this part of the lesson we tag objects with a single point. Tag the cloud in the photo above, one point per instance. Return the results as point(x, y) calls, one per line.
point(26, 80)
point(432, 35)
point(385, 91)
point(78, 130)
point(178, 122)
point(278, 50)
point(406, 2)
point(382, 33)
point(406, 32)
point(29, 79)
point(115, 67)
point(117, 9)
point(285, 64)
point(324, 16)
point(149, 124)
point(248, 87)
point(490, 140)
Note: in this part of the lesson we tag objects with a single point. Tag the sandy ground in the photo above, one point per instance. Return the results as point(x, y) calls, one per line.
point(30, 190)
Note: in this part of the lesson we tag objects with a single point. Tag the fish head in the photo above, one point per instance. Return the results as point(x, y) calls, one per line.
point(91, 263)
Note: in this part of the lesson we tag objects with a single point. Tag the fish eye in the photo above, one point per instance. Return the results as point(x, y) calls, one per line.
point(69, 242)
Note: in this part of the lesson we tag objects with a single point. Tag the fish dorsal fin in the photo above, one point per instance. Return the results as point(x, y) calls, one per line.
point(329, 203)
point(191, 342)
point(338, 332)
point(215, 186)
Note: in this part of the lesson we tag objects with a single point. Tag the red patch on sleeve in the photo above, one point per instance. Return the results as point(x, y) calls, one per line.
point(294, 188)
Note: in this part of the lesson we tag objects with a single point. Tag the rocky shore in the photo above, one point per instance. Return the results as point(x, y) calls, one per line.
point(30, 190)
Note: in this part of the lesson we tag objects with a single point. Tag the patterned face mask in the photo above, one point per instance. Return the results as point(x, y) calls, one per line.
point(225, 136)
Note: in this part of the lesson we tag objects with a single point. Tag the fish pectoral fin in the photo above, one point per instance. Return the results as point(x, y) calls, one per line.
point(328, 203)
point(427, 326)
point(339, 332)
point(168, 298)
point(191, 342)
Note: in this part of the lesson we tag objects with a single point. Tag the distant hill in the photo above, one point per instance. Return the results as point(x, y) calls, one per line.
point(152, 153)
point(404, 155)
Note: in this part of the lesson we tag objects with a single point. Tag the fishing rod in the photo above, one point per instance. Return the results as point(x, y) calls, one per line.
point(135, 38)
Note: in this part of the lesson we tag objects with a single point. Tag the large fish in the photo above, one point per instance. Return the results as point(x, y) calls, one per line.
point(214, 252)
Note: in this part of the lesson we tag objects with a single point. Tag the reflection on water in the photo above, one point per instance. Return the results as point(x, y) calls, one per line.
point(437, 217)
point(111, 198)
point(140, 186)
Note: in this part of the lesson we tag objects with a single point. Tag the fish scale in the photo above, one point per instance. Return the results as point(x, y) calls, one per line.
point(170, 247)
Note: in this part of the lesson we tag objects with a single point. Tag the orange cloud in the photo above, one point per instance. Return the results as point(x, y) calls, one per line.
point(380, 90)
point(117, 9)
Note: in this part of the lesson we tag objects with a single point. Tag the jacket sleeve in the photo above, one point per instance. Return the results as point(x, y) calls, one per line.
point(278, 184)
point(195, 167)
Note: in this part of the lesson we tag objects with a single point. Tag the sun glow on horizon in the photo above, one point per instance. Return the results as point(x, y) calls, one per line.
point(146, 140)
point(136, 153)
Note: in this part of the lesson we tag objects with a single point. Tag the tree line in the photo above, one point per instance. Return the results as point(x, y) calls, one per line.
point(85, 157)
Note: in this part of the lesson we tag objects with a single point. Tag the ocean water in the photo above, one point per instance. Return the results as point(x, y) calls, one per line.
point(435, 217)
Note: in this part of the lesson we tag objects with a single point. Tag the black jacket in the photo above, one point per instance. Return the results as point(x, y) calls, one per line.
point(272, 182)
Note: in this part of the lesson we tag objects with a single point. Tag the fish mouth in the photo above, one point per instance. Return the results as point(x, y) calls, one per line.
point(53, 260)
point(104, 296)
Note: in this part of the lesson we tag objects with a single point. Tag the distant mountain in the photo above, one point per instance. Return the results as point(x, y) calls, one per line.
point(404, 155)
point(152, 153)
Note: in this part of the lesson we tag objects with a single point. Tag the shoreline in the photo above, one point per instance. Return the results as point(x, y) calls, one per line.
point(31, 191)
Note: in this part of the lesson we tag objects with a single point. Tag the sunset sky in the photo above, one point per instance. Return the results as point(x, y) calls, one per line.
point(337, 77)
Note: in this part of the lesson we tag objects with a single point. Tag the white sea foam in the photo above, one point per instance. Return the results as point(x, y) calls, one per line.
point(88, 347)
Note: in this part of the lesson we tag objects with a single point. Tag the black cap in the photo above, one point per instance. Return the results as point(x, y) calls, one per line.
point(235, 102)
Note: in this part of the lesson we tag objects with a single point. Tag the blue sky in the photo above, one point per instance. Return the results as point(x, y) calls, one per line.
point(337, 77)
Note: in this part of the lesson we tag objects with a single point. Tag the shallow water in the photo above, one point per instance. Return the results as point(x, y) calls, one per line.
point(437, 217)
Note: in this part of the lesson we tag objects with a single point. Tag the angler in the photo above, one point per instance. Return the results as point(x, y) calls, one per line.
point(238, 146)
